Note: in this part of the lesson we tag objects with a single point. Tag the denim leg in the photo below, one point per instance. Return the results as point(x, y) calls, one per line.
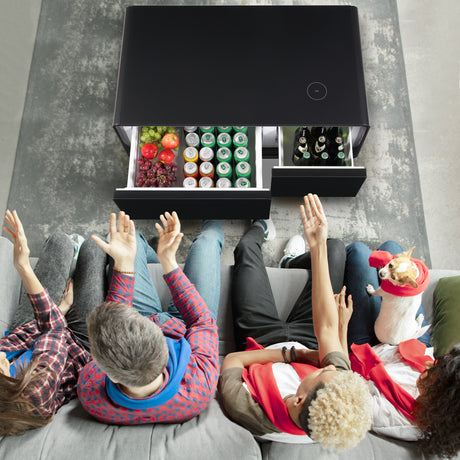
point(358, 274)
point(202, 266)
point(145, 298)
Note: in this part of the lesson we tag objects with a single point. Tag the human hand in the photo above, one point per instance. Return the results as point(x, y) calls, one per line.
point(314, 220)
point(21, 255)
point(170, 237)
point(345, 308)
point(67, 298)
point(122, 245)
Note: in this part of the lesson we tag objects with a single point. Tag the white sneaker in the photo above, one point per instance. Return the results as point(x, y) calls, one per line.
point(268, 227)
point(294, 247)
point(77, 241)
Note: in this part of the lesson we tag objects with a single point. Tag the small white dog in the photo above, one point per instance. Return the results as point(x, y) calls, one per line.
point(403, 281)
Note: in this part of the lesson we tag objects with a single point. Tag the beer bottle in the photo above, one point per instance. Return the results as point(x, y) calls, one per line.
point(323, 159)
point(340, 159)
point(306, 159)
point(300, 144)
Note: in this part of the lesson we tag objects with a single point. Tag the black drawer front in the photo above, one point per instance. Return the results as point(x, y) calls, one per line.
point(195, 204)
point(327, 181)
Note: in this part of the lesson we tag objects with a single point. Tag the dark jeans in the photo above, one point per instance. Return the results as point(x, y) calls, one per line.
point(254, 310)
point(53, 271)
point(366, 308)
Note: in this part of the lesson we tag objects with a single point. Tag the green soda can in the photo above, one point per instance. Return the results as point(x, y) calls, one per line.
point(224, 129)
point(206, 129)
point(224, 170)
point(224, 140)
point(208, 140)
point(242, 182)
point(241, 154)
point(241, 129)
point(243, 169)
point(224, 154)
point(240, 140)
point(223, 182)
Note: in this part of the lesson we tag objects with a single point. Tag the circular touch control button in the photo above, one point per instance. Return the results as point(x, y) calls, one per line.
point(316, 91)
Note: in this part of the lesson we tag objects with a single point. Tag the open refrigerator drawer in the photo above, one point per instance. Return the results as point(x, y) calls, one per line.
point(148, 194)
point(325, 174)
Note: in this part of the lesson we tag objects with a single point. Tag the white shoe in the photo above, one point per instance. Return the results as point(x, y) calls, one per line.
point(77, 241)
point(294, 247)
point(268, 227)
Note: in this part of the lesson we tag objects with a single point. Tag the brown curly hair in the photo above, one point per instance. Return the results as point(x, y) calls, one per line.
point(438, 406)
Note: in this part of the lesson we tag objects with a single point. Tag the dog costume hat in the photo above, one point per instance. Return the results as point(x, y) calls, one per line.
point(379, 259)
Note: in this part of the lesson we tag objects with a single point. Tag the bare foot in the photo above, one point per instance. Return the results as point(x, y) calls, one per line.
point(67, 297)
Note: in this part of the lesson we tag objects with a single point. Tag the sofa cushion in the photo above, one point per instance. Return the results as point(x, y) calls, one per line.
point(446, 306)
point(209, 435)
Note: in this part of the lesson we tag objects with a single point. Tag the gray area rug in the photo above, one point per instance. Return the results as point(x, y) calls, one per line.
point(69, 159)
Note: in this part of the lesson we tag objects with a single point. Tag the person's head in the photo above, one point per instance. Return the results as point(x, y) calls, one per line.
point(127, 346)
point(438, 407)
point(333, 407)
point(17, 411)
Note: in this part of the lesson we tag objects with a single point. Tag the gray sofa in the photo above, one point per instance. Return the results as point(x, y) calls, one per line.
point(73, 434)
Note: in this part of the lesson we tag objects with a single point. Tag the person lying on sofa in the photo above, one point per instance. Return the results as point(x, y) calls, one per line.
point(152, 366)
point(288, 391)
point(415, 398)
point(40, 359)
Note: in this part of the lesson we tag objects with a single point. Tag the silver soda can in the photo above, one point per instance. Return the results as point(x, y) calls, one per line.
point(206, 182)
point(190, 182)
point(206, 154)
point(192, 140)
point(206, 169)
point(190, 129)
point(224, 182)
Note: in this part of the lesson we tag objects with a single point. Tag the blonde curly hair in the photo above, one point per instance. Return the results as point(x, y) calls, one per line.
point(340, 413)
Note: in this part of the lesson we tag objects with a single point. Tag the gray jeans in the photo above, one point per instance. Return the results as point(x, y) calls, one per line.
point(53, 271)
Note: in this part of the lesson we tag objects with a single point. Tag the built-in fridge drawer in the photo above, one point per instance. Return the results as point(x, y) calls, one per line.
point(328, 179)
point(147, 200)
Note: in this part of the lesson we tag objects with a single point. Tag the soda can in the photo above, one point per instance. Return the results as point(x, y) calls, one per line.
point(240, 129)
point(190, 182)
point(241, 154)
point(206, 154)
point(224, 129)
point(206, 182)
point(240, 140)
point(243, 169)
point(206, 129)
point(223, 182)
point(224, 170)
point(191, 154)
point(206, 169)
point(242, 182)
point(190, 169)
point(208, 140)
point(224, 140)
point(190, 129)
point(224, 154)
point(192, 140)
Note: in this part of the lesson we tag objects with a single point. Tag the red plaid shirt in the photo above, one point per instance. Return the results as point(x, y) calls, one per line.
point(60, 355)
point(200, 379)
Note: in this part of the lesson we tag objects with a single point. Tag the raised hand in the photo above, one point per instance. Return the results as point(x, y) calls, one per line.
point(314, 220)
point(18, 237)
point(170, 237)
point(122, 245)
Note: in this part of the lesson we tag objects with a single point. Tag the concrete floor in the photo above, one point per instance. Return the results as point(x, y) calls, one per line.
point(431, 44)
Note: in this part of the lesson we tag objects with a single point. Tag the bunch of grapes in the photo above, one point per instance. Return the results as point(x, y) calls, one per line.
point(154, 134)
point(155, 174)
